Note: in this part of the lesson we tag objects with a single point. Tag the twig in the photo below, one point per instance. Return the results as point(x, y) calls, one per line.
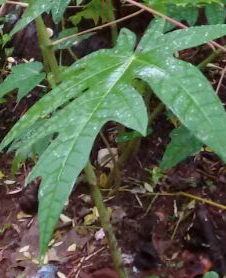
point(83, 259)
point(213, 56)
point(2, 9)
point(25, 5)
point(171, 20)
point(181, 215)
point(108, 147)
point(97, 27)
point(151, 204)
point(221, 79)
point(180, 193)
point(22, 4)
point(191, 196)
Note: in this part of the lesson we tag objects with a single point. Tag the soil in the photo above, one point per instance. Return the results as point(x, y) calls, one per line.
point(161, 231)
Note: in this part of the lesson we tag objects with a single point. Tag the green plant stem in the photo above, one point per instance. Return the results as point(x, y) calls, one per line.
point(105, 221)
point(213, 56)
point(114, 31)
point(50, 61)
point(158, 110)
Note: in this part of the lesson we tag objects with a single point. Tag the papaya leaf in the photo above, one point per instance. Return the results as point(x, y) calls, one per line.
point(97, 89)
point(37, 7)
point(215, 14)
point(34, 9)
point(211, 274)
point(25, 77)
point(189, 14)
point(183, 144)
point(108, 96)
point(188, 10)
point(95, 10)
point(58, 9)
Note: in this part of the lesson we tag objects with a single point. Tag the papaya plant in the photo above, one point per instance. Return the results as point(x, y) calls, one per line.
point(99, 88)
point(189, 10)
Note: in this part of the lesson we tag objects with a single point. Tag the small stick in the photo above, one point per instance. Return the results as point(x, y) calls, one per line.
point(221, 79)
point(97, 27)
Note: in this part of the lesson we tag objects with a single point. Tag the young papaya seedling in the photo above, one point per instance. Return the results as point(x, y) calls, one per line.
point(99, 87)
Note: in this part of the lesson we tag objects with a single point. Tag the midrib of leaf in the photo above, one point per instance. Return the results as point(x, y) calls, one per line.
point(95, 110)
point(31, 140)
point(10, 138)
point(192, 99)
point(78, 135)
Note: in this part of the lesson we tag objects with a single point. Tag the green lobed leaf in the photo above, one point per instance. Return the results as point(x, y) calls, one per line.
point(94, 10)
point(38, 7)
point(34, 9)
point(182, 144)
point(215, 14)
point(211, 274)
point(189, 37)
point(78, 128)
point(24, 77)
point(186, 92)
point(97, 89)
point(58, 9)
point(189, 14)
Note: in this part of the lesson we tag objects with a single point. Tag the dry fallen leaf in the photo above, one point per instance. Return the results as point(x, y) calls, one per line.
point(104, 157)
point(27, 255)
point(72, 247)
point(9, 182)
point(16, 191)
point(61, 275)
point(51, 242)
point(118, 214)
point(65, 219)
point(1, 175)
point(22, 216)
point(103, 180)
point(46, 259)
point(24, 249)
point(99, 235)
point(57, 243)
point(35, 261)
point(16, 228)
point(1, 255)
point(92, 217)
point(148, 187)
